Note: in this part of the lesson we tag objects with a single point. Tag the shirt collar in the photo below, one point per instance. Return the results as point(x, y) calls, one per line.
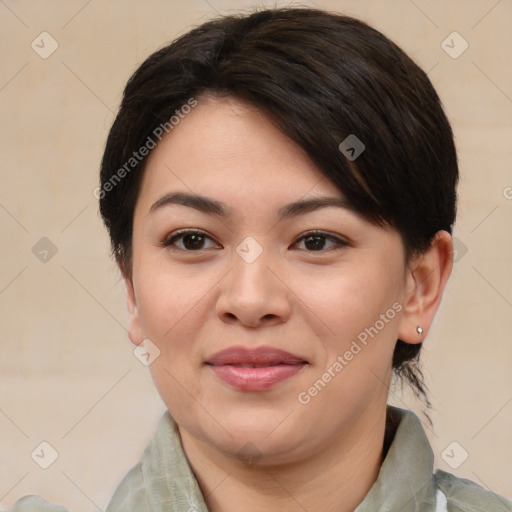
point(405, 482)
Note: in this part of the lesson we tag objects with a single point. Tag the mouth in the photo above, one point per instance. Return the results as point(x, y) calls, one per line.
point(254, 369)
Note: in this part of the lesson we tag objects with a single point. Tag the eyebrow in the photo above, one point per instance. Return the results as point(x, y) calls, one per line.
point(213, 207)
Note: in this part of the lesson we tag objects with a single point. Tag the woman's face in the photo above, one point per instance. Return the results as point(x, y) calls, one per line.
point(272, 339)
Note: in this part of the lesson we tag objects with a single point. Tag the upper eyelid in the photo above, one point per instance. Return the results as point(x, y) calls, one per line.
point(187, 231)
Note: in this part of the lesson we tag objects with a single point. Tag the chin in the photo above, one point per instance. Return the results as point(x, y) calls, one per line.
point(258, 436)
point(258, 449)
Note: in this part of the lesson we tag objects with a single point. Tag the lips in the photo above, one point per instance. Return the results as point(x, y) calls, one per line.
point(262, 356)
point(254, 369)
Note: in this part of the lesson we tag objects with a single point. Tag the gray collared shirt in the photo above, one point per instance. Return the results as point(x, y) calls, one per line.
point(163, 481)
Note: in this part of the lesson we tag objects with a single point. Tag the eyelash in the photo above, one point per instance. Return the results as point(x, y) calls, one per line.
point(176, 235)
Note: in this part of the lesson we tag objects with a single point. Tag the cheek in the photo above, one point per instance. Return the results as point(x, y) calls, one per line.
point(169, 299)
point(360, 309)
point(349, 300)
point(171, 308)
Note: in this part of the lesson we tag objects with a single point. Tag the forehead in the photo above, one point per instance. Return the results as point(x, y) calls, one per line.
point(228, 149)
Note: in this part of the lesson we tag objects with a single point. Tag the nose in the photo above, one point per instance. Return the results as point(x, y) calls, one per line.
point(254, 294)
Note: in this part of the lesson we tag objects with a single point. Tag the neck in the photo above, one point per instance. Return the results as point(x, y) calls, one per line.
point(336, 478)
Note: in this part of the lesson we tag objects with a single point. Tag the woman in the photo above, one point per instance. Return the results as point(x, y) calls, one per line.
point(280, 193)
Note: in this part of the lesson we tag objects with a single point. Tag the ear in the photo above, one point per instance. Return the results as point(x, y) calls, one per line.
point(134, 327)
point(426, 278)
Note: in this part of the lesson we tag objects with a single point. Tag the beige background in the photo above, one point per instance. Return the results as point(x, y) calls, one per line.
point(67, 372)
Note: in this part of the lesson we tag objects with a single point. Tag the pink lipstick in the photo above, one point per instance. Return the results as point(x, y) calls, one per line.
point(256, 369)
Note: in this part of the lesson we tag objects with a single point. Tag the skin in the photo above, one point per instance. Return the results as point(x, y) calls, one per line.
point(323, 455)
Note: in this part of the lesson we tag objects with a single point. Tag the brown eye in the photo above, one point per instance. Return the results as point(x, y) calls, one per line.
point(316, 241)
point(187, 240)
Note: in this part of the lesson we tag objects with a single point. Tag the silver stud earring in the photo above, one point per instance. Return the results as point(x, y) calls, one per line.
point(419, 330)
